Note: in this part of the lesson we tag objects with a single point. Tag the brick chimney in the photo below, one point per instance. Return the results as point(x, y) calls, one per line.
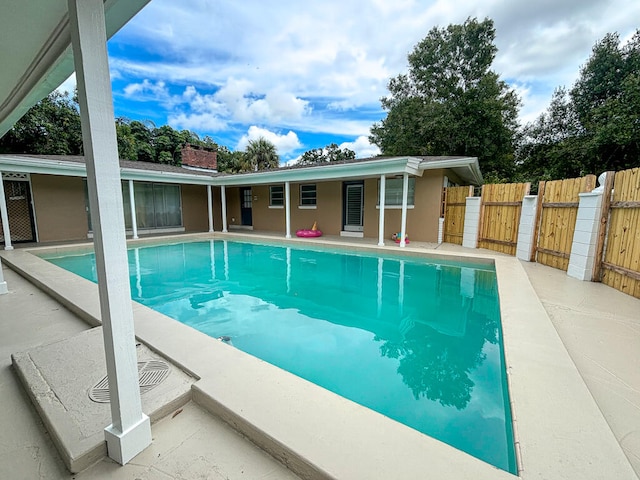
point(199, 159)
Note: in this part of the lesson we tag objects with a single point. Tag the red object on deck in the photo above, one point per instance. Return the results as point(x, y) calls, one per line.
point(308, 233)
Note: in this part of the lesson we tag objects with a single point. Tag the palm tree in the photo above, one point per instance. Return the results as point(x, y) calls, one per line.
point(261, 154)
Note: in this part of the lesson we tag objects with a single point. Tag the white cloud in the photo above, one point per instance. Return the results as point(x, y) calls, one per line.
point(322, 66)
point(199, 122)
point(69, 85)
point(148, 90)
point(362, 147)
point(285, 144)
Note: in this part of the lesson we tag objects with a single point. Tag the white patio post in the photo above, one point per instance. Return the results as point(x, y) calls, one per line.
point(5, 217)
point(3, 284)
point(405, 194)
point(130, 431)
point(287, 208)
point(132, 202)
point(223, 195)
point(210, 208)
point(383, 193)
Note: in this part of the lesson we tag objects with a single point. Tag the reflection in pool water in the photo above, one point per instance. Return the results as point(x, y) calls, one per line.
point(417, 341)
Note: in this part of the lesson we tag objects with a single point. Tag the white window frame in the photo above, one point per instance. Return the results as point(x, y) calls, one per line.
point(278, 197)
point(315, 196)
point(393, 193)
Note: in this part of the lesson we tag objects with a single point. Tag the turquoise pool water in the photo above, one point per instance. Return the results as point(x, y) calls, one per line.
point(415, 340)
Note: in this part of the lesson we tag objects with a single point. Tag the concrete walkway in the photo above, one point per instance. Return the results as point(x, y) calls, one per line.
point(191, 444)
point(599, 326)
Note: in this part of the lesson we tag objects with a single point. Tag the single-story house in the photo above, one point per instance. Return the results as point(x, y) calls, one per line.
point(47, 201)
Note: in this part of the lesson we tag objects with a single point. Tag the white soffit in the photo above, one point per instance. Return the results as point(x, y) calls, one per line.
point(36, 54)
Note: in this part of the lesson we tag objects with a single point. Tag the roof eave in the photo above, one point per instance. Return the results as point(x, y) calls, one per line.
point(325, 171)
point(19, 164)
point(53, 64)
point(467, 168)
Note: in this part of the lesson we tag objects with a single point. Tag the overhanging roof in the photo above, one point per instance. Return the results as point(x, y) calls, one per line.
point(36, 54)
point(464, 167)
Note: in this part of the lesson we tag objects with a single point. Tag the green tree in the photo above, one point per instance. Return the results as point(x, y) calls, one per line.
point(594, 126)
point(451, 102)
point(232, 162)
point(50, 127)
point(330, 153)
point(261, 154)
point(606, 99)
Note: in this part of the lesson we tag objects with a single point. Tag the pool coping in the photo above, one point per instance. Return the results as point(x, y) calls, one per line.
point(560, 432)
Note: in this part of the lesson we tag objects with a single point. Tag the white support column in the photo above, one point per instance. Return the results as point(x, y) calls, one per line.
point(223, 195)
point(5, 217)
point(287, 209)
point(210, 208)
point(471, 223)
point(527, 227)
point(134, 218)
point(405, 194)
point(130, 431)
point(585, 236)
point(3, 284)
point(383, 193)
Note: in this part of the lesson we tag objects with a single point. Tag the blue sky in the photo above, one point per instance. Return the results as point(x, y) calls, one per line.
point(306, 74)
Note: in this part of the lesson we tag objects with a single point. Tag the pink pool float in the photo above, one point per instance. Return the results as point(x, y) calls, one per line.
point(309, 233)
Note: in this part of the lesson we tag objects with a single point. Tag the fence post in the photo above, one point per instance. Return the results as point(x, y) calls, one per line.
point(607, 186)
point(588, 238)
point(536, 227)
point(527, 228)
point(471, 222)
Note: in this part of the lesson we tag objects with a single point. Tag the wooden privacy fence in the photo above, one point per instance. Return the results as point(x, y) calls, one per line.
point(455, 203)
point(500, 210)
point(556, 219)
point(620, 268)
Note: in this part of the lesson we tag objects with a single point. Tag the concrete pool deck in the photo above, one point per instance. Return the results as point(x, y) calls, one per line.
point(562, 432)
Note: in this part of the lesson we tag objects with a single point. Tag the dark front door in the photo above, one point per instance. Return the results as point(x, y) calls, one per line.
point(245, 206)
point(352, 206)
point(18, 198)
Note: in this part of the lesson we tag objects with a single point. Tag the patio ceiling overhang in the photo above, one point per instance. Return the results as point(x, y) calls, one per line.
point(467, 168)
point(36, 50)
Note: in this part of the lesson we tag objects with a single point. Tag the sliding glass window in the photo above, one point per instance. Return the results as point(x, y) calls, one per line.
point(157, 205)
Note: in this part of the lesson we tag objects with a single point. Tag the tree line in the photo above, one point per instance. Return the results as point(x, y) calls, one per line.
point(449, 102)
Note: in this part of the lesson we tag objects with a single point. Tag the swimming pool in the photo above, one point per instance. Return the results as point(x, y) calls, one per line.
point(417, 341)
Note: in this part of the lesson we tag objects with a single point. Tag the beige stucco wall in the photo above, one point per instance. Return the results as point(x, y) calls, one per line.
point(195, 217)
point(233, 206)
point(422, 220)
point(59, 205)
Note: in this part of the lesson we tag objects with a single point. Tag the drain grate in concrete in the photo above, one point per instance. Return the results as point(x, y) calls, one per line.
point(150, 374)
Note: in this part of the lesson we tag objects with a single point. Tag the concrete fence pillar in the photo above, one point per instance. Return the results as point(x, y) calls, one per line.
point(526, 230)
point(471, 222)
point(585, 237)
point(440, 230)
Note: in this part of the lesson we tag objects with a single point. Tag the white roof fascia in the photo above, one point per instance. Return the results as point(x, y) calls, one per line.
point(45, 167)
point(325, 171)
point(164, 177)
point(74, 169)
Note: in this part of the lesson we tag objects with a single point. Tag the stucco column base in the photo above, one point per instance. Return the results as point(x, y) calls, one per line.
point(3, 288)
point(123, 446)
